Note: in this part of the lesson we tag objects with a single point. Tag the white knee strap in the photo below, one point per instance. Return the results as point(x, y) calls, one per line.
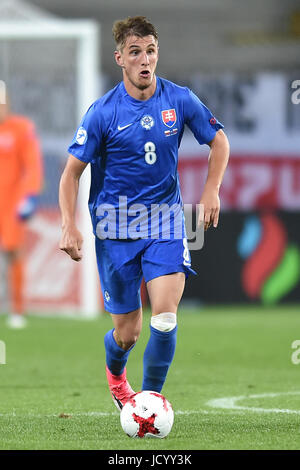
point(164, 321)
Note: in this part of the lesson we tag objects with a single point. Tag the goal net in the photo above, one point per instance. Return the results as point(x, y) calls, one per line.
point(50, 67)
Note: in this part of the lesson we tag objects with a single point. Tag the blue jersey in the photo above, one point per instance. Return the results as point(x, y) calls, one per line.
point(132, 146)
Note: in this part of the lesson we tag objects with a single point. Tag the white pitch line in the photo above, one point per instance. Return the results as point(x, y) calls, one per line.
point(54, 415)
point(177, 412)
point(230, 403)
point(99, 414)
point(225, 403)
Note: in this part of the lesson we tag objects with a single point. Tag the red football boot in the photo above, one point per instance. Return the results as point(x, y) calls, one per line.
point(119, 388)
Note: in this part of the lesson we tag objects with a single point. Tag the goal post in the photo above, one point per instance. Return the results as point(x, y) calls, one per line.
point(51, 84)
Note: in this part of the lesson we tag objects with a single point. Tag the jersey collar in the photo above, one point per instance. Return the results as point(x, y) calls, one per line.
point(140, 102)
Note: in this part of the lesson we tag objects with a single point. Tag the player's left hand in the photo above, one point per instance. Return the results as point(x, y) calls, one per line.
point(27, 207)
point(211, 208)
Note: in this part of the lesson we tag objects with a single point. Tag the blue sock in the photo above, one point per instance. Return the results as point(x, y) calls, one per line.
point(116, 357)
point(158, 356)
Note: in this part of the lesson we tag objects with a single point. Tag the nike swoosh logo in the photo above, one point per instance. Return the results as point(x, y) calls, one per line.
point(119, 403)
point(124, 127)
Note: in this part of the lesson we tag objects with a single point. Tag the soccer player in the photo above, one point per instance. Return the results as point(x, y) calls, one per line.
point(130, 137)
point(20, 184)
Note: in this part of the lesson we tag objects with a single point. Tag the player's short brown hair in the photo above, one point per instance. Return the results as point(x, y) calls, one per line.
point(132, 26)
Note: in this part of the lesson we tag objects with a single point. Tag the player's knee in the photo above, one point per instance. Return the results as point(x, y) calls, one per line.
point(165, 321)
point(127, 344)
point(127, 339)
point(164, 305)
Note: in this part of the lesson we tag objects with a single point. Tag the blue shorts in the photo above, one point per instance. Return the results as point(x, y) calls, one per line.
point(123, 263)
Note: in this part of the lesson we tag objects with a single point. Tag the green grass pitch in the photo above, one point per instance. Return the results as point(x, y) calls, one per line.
point(55, 368)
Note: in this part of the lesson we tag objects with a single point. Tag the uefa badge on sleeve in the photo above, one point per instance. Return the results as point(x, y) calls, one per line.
point(81, 136)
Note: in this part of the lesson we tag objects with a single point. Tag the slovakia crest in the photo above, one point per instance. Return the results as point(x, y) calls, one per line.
point(169, 117)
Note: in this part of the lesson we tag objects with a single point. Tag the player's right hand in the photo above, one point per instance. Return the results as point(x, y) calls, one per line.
point(71, 242)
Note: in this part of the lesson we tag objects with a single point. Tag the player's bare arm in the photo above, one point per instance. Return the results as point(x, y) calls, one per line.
point(71, 239)
point(217, 163)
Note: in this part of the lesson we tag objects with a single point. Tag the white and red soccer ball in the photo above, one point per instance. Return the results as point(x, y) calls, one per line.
point(147, 414)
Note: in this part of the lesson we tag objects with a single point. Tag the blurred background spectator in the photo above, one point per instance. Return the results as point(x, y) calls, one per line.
point(20, 185)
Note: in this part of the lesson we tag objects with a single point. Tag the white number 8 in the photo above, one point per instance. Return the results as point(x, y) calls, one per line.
point(150, 155)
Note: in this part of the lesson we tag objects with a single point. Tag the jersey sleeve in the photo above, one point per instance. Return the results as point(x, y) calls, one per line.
point(87, 139)
point(200, 119)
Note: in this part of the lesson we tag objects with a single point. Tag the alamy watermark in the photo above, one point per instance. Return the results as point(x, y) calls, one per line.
point(295, 358)
point(158, 221)
point(295, 97)
point(2, 352)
